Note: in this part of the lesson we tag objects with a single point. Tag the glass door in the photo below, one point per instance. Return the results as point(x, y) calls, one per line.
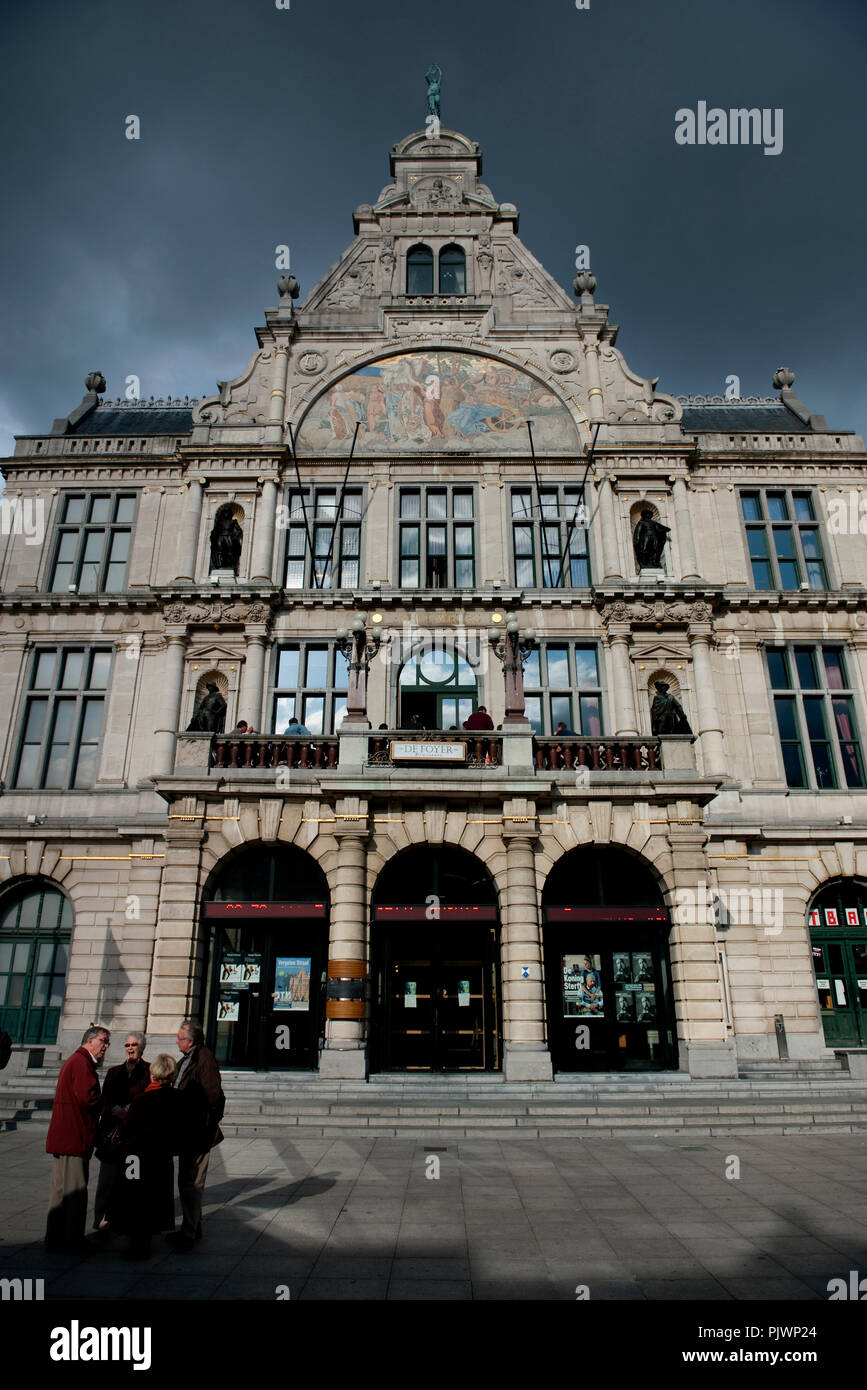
point(841, 982)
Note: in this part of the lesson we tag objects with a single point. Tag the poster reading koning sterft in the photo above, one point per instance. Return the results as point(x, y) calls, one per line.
point(292, 983)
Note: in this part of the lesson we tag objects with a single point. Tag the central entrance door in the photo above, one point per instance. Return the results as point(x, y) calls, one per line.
point(838, 939)
point(436, 992)
point(435, 959)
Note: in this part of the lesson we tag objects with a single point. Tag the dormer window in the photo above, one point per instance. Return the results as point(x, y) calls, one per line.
point(419, 270)
point(453, 270)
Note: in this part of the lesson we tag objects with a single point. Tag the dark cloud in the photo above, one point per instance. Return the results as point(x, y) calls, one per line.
point(262, 126)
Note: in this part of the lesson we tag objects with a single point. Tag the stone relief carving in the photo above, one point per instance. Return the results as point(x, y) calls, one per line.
point(312, 363)
point(217, 611)
point(356, 282)
point(436, 193)
point(657, 612)
point(484, 263)
point(629, 397)
point(562, 361)
point(513, 279)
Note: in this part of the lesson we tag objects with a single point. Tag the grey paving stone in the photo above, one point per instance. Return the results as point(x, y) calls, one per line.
point(330, 1290)
point(430, 1290)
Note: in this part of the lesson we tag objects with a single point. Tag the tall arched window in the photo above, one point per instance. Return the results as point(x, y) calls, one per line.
point(35, 927)
point(453, 270)
point(419, 270)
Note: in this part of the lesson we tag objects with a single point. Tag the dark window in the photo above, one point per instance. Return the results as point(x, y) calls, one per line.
point(311, 682)
point(93, 542)
point(816, 718)
point(549, 538)
point(419, 270)
point(63, 718)
point(783, 539)
point(453, 271)
point(336, 539)
point(561, 683)
point(437, 538)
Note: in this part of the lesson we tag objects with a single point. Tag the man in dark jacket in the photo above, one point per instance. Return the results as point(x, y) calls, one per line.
point(142, 1201)
point(198, 1080)
point(71, 1136)
point(121, 1086)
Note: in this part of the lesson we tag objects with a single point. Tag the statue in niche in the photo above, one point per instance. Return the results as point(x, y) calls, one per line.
point(648, 541)
point(226, 539)
point(666, 712)
point(434, 79)
point(209, 716)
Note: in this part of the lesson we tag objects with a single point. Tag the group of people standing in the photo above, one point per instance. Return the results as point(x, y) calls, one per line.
point(145, 1115)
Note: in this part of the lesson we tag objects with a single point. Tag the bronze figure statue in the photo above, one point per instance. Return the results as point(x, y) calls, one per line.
point(666, 712)
point(648, 540)
point(226, 539)
point(209, 716)
point(434, 78)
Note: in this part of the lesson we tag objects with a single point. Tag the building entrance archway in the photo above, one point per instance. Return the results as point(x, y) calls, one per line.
point(266, 913)
point(435, 953)
point(607, 970)
point(35, 931)
point(838, 941)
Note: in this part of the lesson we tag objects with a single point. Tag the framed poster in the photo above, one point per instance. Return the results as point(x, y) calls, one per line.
point(622, 963)
point(230, 968)
point(624, 1005)
point(227, 1007)
point(582, 987)
point(292, 984)
point(642, 967)
point(410, 994)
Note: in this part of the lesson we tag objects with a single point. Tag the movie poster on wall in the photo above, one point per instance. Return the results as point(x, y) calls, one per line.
point(292, 984)
point(582, 986)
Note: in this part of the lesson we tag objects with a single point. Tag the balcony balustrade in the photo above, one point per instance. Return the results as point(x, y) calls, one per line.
point(231, 752)
point(568, 754)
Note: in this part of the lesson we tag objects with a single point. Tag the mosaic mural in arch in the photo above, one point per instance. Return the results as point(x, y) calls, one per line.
point(437, 401)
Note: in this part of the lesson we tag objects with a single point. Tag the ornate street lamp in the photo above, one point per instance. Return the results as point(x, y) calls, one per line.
point(359, 650)
point(512, 647)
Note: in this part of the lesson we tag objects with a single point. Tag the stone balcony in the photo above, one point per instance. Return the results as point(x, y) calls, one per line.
point(452, 760)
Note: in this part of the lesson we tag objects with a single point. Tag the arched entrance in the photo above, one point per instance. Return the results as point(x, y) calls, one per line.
point(607, 968)
point(837, 919)
point(35, 930)
point(266, 912)
point(436, 690)
point(435, 940)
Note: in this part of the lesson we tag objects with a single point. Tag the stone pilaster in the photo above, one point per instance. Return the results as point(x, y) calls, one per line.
point(525, 1050)
point(608, 528)
point(250, 700)
point(263, 538)
point(709, 726)
point(622, 693)
point(344, 1053)
point(595, 398)
point(176, 984)
point(171, 683)
point(277, 408)
point(188, 538)
point(685, 539)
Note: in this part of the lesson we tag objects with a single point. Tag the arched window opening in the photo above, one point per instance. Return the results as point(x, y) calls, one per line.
point(419, 270)
point(35, 930)
point(437, 690)
point(453, 270)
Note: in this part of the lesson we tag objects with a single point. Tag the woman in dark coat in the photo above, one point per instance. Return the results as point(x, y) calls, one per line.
point(143, 1200)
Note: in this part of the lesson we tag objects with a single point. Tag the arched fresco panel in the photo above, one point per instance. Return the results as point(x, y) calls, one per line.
point(437, 400)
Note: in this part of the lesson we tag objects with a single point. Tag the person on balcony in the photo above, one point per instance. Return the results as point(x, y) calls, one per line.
point(296, 730)
point(563, 731)
point(480, 720)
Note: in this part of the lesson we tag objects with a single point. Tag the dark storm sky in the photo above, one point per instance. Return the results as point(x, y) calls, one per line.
point(262, 126)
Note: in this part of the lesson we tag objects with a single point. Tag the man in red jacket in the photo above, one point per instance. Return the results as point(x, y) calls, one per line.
point(71, 1136)
point(480, 720)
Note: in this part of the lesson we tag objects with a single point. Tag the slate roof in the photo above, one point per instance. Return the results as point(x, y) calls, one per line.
point(764, 418)
point(171, 420)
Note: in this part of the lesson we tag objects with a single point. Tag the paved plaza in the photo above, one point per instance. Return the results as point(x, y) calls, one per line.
point(357, 1218)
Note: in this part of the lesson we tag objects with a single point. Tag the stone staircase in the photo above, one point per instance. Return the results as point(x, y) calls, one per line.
point(814, 1097)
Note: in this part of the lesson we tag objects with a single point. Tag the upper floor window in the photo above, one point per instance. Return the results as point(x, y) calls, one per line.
point(93, 542)
point(419, 270)
point(549, 538)
point(783, 539)
point(63, 717)
point(814, 705)
point(336, 539)
point(310, 685)
point(453, 270)
point(437, 538)
point(561, 686)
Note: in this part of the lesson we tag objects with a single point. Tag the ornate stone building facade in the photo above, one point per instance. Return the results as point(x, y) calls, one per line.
point(419, 498)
